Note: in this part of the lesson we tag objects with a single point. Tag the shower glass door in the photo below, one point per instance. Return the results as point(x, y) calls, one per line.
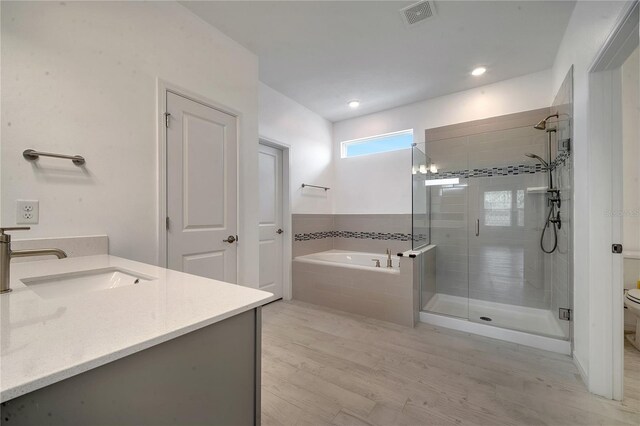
point(506, 266)
point(421, 198)
point(507, 211)
point(489, 205)
point(446, 186)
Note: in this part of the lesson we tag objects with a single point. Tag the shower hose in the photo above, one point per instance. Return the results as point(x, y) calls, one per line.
point(547, 225)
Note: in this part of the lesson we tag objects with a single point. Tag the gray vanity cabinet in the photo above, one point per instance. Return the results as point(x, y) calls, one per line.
point(210, 376)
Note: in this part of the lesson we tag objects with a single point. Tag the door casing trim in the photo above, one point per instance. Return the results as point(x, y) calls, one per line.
point(605, 369)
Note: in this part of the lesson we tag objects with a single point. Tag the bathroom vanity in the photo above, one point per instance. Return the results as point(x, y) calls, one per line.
point(104, 340)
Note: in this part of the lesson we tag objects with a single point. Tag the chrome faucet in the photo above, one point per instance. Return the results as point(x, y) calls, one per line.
point(6, 254)
point(389, 262)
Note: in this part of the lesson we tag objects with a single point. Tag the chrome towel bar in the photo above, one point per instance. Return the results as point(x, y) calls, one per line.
point(304, 185)
point(31, 155)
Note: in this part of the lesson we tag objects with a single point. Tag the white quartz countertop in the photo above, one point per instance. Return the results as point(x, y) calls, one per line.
point(45, 340)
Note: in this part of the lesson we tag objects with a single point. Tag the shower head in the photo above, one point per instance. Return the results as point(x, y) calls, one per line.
point(544, 163)
point(542, 124)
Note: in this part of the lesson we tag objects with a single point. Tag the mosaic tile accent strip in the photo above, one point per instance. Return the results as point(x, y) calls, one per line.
point(489, 172)
point(373, 235)
point(396, 236)
point(561, 159)
point(314, 236)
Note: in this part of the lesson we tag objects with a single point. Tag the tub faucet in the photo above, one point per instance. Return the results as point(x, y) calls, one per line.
point(377, 262)
point(6, 254)
point(389, 261)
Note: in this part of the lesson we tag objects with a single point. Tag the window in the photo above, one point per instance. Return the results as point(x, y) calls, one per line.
point(377, 144)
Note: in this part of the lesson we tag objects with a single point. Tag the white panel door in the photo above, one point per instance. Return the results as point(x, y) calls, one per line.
point(201, 189)
point(271, 232)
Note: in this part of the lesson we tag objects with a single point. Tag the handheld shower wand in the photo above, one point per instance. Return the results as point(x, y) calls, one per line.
point(537, 157)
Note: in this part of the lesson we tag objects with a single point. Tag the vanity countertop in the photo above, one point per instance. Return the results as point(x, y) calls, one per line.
point(45, 340)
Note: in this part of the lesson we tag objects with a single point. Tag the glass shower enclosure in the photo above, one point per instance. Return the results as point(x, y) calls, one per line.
point(483, 203)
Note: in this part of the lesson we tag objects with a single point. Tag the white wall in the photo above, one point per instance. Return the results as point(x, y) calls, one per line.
point(80, 78)
point(590, 25)
point(381, 183)
point(310, 139)
point(631, 152)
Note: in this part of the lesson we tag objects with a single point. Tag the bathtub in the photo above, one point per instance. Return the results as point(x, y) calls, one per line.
point(349, 281)
point(352, 259)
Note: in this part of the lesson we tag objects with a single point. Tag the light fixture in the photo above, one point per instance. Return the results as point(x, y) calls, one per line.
point(433, 168)
point(354, 103)
point(423, 169)
point(478, 71)
point(433, 182)
point(414, 170)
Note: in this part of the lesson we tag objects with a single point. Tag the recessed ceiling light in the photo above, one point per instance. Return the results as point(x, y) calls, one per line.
point(354, 104)
point(478, 71)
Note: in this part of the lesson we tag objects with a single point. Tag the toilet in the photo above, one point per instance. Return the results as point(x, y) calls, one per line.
point(632, 302)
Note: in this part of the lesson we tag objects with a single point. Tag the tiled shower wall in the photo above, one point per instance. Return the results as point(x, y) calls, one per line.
point(374, 233)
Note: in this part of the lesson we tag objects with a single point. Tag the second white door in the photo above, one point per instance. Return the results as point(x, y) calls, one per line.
point(271, 228)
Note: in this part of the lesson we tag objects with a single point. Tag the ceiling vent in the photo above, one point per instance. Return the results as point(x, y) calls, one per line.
point(417, 13)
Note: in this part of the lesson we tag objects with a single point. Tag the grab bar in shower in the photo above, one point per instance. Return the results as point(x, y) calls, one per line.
point(32, 154)
point(477, 227)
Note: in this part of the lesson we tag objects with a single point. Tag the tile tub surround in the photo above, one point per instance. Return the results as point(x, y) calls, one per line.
point(388, 296)
point(74, 246)
point(48, 340)
point(355, 232)
point(312, 233)
point(373, 232)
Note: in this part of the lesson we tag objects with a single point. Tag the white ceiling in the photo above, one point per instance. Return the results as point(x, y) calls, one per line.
point(324, 53)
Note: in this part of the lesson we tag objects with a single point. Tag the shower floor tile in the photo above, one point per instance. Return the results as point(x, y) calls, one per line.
point(521, 318)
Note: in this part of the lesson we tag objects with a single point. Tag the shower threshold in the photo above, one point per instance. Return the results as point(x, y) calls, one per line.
point(519, 324)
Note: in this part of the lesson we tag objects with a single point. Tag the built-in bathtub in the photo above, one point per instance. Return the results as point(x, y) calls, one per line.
point(353, 259)
point(350, 281)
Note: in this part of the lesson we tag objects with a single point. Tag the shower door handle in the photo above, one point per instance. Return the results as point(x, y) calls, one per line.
point(477, 227)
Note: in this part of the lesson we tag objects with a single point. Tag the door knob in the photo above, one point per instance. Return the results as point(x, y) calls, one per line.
point(230, 239)
point(279, 231)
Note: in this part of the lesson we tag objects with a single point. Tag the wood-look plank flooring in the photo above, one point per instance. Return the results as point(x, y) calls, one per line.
point(325, 367)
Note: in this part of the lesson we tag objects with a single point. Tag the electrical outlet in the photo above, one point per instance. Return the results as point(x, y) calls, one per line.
point(28, 212)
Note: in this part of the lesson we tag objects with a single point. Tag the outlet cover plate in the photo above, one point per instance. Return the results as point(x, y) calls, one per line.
point(28, 212)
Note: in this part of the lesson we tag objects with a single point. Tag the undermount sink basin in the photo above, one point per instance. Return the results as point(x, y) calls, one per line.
point(72, 283)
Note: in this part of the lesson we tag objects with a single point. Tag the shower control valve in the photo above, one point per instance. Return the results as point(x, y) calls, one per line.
point(554, 197)
point(557, 220)
point(556, 200)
